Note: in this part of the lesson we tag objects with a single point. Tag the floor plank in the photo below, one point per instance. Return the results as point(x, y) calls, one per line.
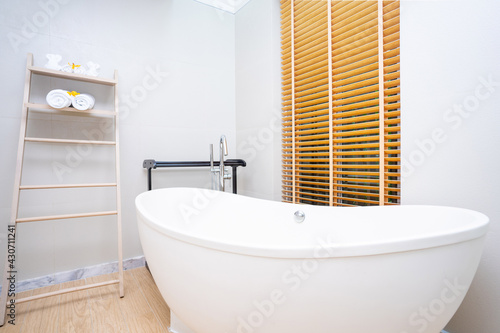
point(21, 312)
point(97, 310)
point(74, 310)
point(106, 316)
point(134, 306)
point(105, 291)
point(152, 294)
point(43, 313)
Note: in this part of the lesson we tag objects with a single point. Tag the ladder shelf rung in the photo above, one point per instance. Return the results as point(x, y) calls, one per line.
point(67, 290)
point(41, 187)
point(91, 142)
point(65, 216)
point(48, 108)
point(71, 76)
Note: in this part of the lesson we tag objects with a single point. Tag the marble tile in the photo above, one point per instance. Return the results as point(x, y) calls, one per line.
point(80, 273)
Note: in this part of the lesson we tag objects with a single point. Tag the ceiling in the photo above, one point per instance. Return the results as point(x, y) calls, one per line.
point(231, 6)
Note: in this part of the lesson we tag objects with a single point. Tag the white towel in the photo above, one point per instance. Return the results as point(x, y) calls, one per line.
point(80, 70)
point(59, 98)
point(83, 102)
point(53, 62)
point(92, 68)
point(67, 69)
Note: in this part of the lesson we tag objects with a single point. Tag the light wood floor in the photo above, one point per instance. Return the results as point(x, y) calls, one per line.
point(98, 310)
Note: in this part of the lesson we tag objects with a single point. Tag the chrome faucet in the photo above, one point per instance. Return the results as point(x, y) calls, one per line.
point(221, 171)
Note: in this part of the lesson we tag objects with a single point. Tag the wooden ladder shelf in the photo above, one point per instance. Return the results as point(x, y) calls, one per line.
point(27, 107)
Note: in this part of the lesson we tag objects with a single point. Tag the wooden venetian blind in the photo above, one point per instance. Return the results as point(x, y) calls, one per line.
point(341, 144)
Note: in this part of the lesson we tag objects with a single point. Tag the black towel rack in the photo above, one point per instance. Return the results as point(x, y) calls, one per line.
point(153, 164)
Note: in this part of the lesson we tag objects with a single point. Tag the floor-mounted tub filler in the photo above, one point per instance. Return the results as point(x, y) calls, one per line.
point(228, 263)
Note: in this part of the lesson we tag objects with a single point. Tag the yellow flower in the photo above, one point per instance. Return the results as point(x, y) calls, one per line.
point(73, 93)
point(73, 66)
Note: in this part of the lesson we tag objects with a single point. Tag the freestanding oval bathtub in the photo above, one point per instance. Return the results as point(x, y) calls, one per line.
point(227, 263)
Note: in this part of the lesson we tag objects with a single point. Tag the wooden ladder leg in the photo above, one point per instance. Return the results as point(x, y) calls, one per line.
point(118, 193)
point(120, 257)
point(17, 184)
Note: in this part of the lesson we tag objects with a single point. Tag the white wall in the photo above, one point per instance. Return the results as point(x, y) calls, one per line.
point(447, 47)
point(188, 106)
point(258, 98)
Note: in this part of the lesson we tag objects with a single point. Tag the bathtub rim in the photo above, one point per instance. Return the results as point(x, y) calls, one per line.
point(309, 252)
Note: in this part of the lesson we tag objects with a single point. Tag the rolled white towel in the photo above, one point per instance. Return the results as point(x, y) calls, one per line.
point(83, 102)
point(80, 70)
point(53, 61)
point(59, 98)
point(67, 69)
point(92, 68)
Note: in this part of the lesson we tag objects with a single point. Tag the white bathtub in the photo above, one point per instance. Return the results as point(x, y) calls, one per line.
point(226, 263)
